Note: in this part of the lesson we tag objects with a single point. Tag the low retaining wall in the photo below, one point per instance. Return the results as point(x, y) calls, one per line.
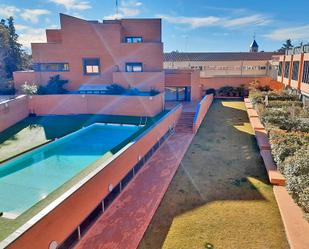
point(58, 220)
point(275, 177)
point(217, 82)
point(296, 226)
point(201, 111)
point(67, 104)
point(13, 111)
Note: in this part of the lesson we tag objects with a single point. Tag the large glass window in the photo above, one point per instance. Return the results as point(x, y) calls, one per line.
point(286, 69)
point(280, 69)
point(177, 93)
point(91, 66)
point(133, 39)
point(50, 67)
point(134, 67)
point(295, 70)
point(306, 72)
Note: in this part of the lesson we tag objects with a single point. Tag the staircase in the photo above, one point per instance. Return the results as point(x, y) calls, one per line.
point(185, 122)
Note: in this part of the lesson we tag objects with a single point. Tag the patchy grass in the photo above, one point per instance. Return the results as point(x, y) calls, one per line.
point(220, 196)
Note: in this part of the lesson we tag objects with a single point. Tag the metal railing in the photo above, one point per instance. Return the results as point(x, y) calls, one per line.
point(298, 50)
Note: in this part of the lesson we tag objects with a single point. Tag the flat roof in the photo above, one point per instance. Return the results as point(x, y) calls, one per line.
point(218, 56)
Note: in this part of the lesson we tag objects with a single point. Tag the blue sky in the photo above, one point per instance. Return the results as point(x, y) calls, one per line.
point(195, 25)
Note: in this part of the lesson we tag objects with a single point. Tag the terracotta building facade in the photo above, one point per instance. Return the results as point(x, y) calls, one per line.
point(128, 52)
point(294, 70)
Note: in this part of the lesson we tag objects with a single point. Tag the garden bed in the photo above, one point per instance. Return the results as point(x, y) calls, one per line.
point(284, 118)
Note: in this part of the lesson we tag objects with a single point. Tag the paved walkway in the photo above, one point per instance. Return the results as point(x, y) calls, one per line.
point(122, 226)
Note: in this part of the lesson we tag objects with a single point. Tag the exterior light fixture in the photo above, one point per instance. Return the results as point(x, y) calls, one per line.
point(110, 187)
point(53, 245)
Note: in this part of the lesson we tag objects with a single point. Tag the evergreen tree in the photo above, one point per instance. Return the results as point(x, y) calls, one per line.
point(4, 48)
point(14, 60)
point(285, 46)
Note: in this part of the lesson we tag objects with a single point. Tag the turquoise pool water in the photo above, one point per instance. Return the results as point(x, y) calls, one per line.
point(29, 178)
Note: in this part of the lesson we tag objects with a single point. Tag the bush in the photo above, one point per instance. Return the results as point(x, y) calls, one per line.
point(283, 119)
point(282, 103)
point(154, 92)
point(115, 89)
point(297, 177)
point(29, 89)
point(6, 88)
point(285, 144)
point(210, 91)
point(55, 85)
point(231, 91)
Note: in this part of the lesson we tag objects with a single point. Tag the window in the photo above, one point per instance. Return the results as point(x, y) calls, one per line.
point(91, 66)
point(295, 70)
point(51, 67)
point(134, 67)
point(286, 69)
point(280, 69)
point(306, 72)
point(133, 39)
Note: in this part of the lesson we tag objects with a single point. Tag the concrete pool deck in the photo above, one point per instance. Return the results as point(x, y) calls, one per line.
point(123, 224)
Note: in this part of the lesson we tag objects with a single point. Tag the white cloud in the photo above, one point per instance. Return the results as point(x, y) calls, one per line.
point(247, 20)
point(30, 35)
point(294, 33)
point(73, 4)
point(194, 22)
point(127, 9)
point(8, 10)
point(33, 15)
point(227, 22)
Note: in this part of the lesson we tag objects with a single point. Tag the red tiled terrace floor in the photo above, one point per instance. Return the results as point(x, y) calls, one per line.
point(122, 226)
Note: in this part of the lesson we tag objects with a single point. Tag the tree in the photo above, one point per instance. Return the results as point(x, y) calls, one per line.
point(4, 49)
point(13, 61)
point(285, 46)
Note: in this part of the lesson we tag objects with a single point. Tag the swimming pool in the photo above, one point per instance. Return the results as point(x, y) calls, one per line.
point(31, 177)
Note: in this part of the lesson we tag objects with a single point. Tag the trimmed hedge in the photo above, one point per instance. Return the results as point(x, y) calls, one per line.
point(286, 122)
point(297, 174)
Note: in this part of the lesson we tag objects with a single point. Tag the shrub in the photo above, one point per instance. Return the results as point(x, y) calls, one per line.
point(297, 177)
point(154, 92)
point(282, 103)
point(210, 91)
point(230, 91)
point(115, 89)
point(6, 88)
point(29, 89)
point(285, 144)
point(55, 85)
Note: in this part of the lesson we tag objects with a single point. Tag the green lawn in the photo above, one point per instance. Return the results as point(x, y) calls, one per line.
point(220, 196)
point(35, 130)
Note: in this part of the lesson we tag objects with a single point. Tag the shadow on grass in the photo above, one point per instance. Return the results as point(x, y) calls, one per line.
point(222, 168)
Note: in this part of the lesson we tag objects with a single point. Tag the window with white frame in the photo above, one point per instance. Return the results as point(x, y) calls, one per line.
point(134, 67)
point(280, 69)
point(91, 66)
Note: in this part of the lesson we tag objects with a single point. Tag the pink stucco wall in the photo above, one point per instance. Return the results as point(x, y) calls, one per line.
point(13, 111)
point(78, 39)
point(182, 78)
point(64, 218)
point(201, 111)
point(217, 82)
point(96, 104)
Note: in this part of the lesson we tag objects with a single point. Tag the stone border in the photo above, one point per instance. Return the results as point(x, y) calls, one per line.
point(275, 177)
point(295, 225)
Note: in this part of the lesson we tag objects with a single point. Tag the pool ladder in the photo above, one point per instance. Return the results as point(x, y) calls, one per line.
point(141, 121)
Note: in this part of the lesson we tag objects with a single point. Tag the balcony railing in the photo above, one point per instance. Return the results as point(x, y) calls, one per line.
point(298, 50)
